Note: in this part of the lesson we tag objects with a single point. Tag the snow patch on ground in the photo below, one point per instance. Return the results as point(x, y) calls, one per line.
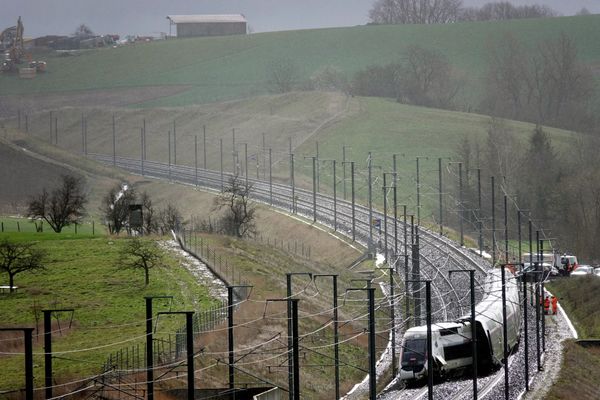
point(199, 270)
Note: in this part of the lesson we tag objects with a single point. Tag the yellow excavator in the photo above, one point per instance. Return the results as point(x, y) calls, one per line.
point(12, 39)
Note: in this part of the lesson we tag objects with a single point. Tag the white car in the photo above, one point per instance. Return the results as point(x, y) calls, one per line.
point(583, 270)
point(597, 271)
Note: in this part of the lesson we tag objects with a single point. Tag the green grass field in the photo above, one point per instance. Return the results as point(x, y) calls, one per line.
point(23, 227)
point(580, 369)
point(232, 67)
point(108, 301)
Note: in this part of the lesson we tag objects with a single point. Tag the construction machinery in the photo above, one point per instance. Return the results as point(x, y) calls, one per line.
point(14, 51)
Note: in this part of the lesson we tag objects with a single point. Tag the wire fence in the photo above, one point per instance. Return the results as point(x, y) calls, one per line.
point(23, 225)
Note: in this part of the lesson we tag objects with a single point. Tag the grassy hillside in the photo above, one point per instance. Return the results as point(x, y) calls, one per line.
point(381, 126)
point(109, 302)
point(233, 67)
point(580, 367)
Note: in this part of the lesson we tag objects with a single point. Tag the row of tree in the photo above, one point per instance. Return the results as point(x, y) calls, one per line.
point(560, 191)
point(448, 11)
point(546, 85)
point(425, 77)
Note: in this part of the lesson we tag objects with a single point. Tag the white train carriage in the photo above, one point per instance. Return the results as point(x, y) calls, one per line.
point(451, 341)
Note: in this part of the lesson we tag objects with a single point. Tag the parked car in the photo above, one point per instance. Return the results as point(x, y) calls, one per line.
point(583, 270)
point(597, 271)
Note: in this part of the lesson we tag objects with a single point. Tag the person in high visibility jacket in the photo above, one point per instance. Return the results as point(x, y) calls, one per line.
point(554, 301)
point(547, 305)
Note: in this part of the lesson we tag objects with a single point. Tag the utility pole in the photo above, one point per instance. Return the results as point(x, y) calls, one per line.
point(370, 168)
point(234, 165)
point(246, 162)
point(293, 375)
point(114, 141)
point(189, 336)
point(353, 198)
point(318, 169)
point(28, 343)
point(385, 239)
point(336, 354)
point(333, 165)
point(504, 333)
point(479, 217)
point(473, 325)
point(372, 333)
point(429, 335)
point(461, 210)
point(169, 149)
point(314, 194)
point(221, 159)
point(142, 150)
point(174, 143)
point(493, 223)
point(204, 143)
point(505, 230)
point(48, 348)
point(264, 154)
point(82, 135)
point(419, 190)
point(270, 176)
point(416, 277)
point(292, 183)
point(460, 203)
point(149, 343)
point(196, 158)
point(344, 169)
point(440, 196)
point(526, 330)
point(230, 338)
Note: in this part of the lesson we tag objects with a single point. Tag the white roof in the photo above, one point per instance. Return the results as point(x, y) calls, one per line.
point(190, 19)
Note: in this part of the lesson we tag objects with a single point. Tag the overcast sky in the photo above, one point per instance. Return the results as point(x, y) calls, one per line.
point(147, 17)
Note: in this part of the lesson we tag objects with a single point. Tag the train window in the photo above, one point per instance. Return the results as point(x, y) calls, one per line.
point(414, 352)
point(448, 331)
point(459, 351)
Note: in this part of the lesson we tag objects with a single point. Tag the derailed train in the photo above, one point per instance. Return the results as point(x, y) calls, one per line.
point(451, 341)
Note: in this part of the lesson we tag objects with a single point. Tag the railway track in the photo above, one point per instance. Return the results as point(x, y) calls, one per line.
point(438, 254)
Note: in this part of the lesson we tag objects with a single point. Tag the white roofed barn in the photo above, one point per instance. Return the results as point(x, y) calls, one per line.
point(208, 25)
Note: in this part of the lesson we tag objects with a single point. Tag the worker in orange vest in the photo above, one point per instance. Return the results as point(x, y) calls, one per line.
point(547, 305)
point(554, 301)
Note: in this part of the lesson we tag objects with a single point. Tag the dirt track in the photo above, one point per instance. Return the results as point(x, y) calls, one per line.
point(9, 105)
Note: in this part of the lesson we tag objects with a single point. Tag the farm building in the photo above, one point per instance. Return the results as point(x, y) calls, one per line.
point(208, 25)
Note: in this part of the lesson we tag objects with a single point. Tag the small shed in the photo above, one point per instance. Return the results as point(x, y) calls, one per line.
point(208, 25)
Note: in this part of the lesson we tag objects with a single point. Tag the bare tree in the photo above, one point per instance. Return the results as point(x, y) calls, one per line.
point(426, 78)
point(238, 219)
point(545, 86)
point(170, 219)
point(561, 85)
point(509, 79)
point(505, 10)
point(415, 11)
point(115, 207)
point(19, 257)
point(62, 207)
point(140, 254)
point(83, 31)
point(150, 216)
point(282, 74)
point(502, 153)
